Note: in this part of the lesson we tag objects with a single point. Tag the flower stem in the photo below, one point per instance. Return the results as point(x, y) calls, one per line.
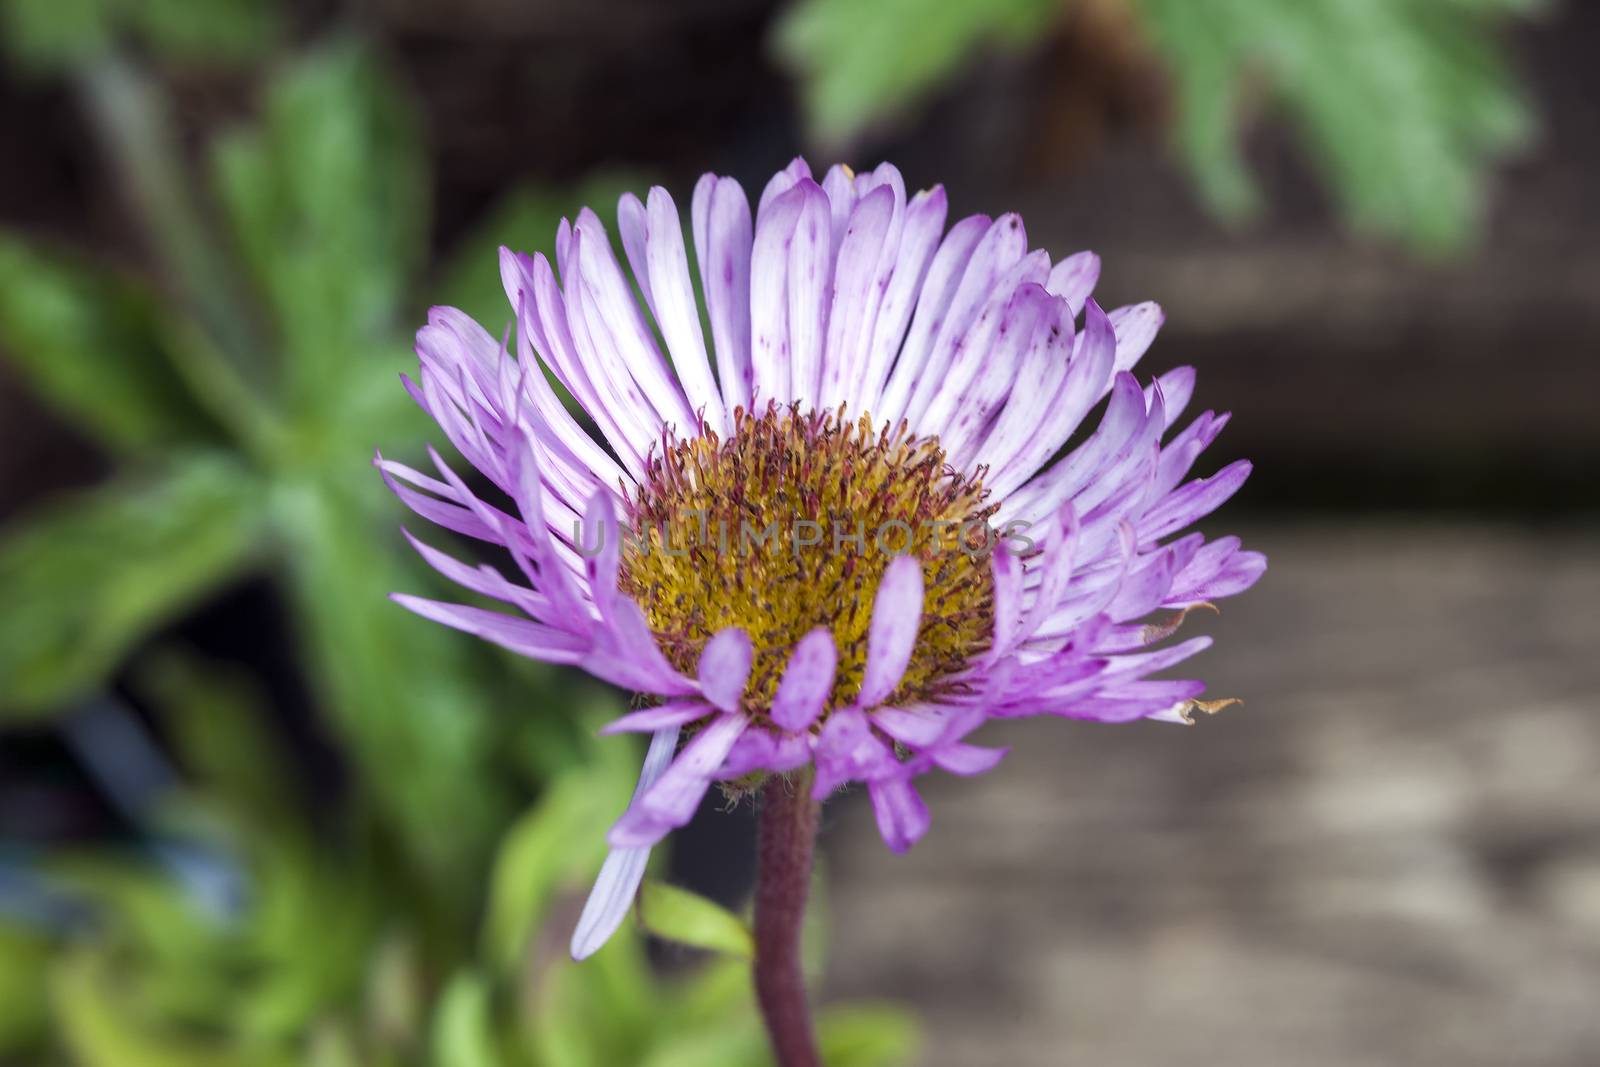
point(788, 832)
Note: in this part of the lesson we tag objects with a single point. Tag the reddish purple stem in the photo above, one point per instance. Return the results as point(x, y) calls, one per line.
point(788, 832)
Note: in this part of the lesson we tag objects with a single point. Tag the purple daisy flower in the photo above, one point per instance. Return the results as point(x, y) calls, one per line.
point(843, 535)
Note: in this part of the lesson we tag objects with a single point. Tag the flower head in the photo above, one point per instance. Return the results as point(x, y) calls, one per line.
point(843, 535)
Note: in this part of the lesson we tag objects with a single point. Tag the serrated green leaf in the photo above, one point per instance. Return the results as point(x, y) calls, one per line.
point(1405, 104)
point(676, 914)
point(91, 343)
point(327, 198)
point(86, 578)
point(862, 62)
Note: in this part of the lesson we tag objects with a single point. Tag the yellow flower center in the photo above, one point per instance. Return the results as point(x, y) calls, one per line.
point(788, 525)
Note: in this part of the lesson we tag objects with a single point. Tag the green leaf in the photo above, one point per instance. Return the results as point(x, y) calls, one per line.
point(91, 343)
point(101, 1027)
point(217, 720)
point(863, 62)
point(463, 1029)
point(557, 844)
point(1404, 104)
point(734, 1042)
point(690, 919)
point(23, 1005)
point(46, 35)
point(328, 201)
point(417, 705)
point(87, 578)
point(868, 1036)
point(208, 31)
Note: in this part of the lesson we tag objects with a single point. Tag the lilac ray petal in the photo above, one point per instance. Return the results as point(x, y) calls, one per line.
point(971, 403)
point(1241, 571)
point(449, 515)
point(939, 287)
point(482, 579)
point(623, 870)
point(725, 667)
point(998, 265)
point(807, 681)
point(522, 636)
point(965, 760)
point(810, 275)
point(613, 298)
point(521, 539)
point(667, 265)
point(555, 424)
point(1135, 701)
point(555, 581)
point(619, 398)
point(855, 301)
point(1177, 387)
point(722, 247)
point(631, 658)
point(1133, 665)
point(896, 615)
point(601, 549)
point(1007, 572)
point(1179, 454)
point(1204, 566)
point(1018, 436)
point(660, 717)
point(1094, 350)
point(564, 247)
point(618, 315)
point(1146, 586)
point(632, 227)
point(672, 800)
point(544, 315)
point(1137, 326)
point(1124, 417)
point(1074, 278)
point(847, 749)
point(917, 726)
point(1130, 461)
point(769, 293)
point(902, 816)
point(781, 182)
point(1055, 568)
point(849, 370)
point(1192, 502)
point(759, 750)
point(840, 186)
point(919, 240)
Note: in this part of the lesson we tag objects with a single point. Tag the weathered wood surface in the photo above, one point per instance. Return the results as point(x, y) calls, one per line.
point(1389, 855)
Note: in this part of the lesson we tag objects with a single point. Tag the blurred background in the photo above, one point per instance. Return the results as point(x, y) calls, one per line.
point(252, 814)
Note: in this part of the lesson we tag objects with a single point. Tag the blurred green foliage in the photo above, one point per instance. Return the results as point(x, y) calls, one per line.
point(1405, 105)
point(863, 61)
point(416, 918)
point(326, 964)
point(50, 35)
